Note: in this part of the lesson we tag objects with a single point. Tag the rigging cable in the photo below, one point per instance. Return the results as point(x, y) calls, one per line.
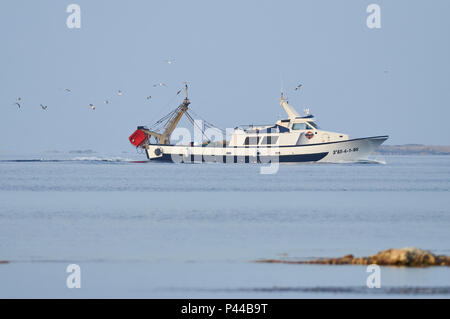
point(162, 122)
point(208, 124)
point(195, 124)
point(165, 106)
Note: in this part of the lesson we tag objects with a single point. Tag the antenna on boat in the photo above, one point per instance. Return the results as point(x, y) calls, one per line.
point(186, 90)
point(282, 87)
point(291, 112)
point(282, 97)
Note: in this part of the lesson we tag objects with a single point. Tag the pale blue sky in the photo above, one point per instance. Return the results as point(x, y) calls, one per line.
point(359, 81)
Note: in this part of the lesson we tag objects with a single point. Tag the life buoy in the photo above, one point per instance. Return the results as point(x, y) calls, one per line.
point(309, 135)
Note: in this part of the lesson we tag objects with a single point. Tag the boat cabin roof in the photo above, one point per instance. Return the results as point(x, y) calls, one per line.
point(293, 122)
point(282, 126)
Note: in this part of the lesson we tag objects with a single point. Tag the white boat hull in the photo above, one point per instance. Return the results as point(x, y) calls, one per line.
point(333, 152)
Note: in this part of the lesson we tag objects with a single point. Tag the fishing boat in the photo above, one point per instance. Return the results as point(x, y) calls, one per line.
point(294, 139)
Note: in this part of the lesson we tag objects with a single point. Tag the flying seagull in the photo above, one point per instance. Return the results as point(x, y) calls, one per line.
point(18, 99)
point(17, 103)
point(170, 61)
point(92, 106)
point(106, 102)
point(179, 92)
point(44, 107)
point(298, 87)
point(149, 97)
point(159, 84)
point(119, 93)
point(68, 90)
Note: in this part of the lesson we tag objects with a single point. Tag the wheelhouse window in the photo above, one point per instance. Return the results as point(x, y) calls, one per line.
point(314, 125)
point(269, 140)
point(251, 140)
point(299, 126)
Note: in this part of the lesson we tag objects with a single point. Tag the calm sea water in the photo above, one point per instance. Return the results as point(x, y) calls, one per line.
point(165, 230)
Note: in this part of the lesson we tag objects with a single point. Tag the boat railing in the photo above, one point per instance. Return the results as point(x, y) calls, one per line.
point(246, 127)
point(260, 128)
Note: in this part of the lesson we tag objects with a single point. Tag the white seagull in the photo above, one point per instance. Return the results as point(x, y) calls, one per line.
point(106, 102)
point(44, 107)
point(92, 106)
point(119, 93)
point(170, 61)
point(298, 87)
point(149, 97)
point(159, 84)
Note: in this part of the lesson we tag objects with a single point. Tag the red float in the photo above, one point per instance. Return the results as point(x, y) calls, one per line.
point(137, 138)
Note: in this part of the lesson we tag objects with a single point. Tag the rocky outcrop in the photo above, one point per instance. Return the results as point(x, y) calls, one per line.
point(407, 257)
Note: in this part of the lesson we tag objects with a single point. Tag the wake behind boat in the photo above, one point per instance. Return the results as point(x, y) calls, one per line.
point(295, 139)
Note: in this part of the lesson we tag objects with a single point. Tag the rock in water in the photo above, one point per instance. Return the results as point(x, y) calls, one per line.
point(412, 257)
point(408, 257)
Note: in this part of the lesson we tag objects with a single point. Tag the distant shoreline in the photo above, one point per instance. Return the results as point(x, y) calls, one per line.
point(413, 149)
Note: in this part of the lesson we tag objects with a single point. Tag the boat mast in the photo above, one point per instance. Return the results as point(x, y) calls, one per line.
point(176, 117)
point(291, 112)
